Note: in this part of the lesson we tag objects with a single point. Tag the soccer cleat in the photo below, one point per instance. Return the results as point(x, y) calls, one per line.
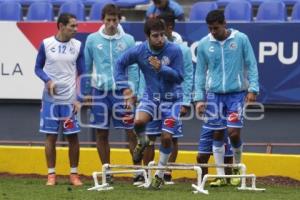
point(75, 180)
point(218, 182)
point(168, 178)
point(138, 151)
point(235, 181)
point(138, 180)
point(51, 180)
point(157, 182)
point(109, 179)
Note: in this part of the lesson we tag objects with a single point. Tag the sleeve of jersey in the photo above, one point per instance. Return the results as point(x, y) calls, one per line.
point(251, 65)
point(173, 73)
point(200, 75)
point(133, 73)
point(81, 74)
point(39, 64)
point(122, 64)
point(188, 72)
point(88, 68)
point(179, 13)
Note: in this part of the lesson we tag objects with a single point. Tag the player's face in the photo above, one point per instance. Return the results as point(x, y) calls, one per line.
point(162, 4)
point(111, 23)
point(218, 30)
point(157, 39)
point(69, 30)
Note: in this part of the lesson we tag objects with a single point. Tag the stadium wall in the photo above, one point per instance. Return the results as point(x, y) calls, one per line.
point(31, 160)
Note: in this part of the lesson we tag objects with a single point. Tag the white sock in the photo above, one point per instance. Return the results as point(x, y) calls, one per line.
point(219, 158)
point(237, 154)
point(51, 170)
point(73, 170)
point(163, 160)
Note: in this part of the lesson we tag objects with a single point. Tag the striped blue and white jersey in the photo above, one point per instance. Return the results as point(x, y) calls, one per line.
point(60, 62)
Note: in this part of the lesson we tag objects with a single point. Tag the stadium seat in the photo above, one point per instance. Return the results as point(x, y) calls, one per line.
point(40, 11)
point(238, 11)
point(271, 11)
point(60, 2)
point(223, 3)
point(296, 12)
point(256, 2)
point(10, 11)
point(29, 2)
point(130, 3)
point(290, 2)
point(74, 7)
point(96, 9)
point(200, 9)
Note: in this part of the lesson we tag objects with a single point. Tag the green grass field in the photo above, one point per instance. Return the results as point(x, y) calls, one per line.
point(34, 188)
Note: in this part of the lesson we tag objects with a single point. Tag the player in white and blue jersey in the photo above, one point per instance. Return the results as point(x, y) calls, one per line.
point(58, 63)
point(102, 50)
point(226, 77)
point(160, 7)
point(161, 63)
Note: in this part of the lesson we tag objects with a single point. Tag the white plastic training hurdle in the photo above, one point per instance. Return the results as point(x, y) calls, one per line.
point(106, 169)
point(199, 187)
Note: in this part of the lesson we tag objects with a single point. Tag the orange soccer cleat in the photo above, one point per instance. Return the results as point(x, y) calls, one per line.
point(51, 180)
point(75, 180)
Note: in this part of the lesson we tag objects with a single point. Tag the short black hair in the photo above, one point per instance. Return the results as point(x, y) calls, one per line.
point(168, 17)
point(215, 16)
point(154, 24)
point(111, 9)
point(64, 18)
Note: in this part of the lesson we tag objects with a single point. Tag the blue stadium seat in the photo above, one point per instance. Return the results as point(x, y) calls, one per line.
point(40, 11)
point(29, 2)
point(74, 7)
point(96, 9)
point(296, 12)
point(256, 2)
point(10, 11)
point(238, 11)
point(200, 9)
point(290, 2)
point(271, 11)
point(130, 3)
point(223, 3)
point(60, 2)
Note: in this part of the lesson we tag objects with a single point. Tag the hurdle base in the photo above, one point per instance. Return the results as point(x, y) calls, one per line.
point(252, 189)
point(198, 189)
point(169, 183)
point(101, 187)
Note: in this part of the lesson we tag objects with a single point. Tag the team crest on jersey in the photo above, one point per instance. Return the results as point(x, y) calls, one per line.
point(121, 46)
point(233, 45)
point(72, 50)
point(53, 49)
point(100, 46)
point(165, 60)
point(211, 49)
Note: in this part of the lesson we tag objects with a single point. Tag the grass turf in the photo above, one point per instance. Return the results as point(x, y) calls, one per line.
point(12, 188)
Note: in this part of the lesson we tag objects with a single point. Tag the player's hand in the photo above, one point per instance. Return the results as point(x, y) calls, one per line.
point(155, 62)
point(251, 97)
point(184, 110)
point(200, 107)
point(51, 87)
point(87, 100)
point(128, 98)
point(76, 106)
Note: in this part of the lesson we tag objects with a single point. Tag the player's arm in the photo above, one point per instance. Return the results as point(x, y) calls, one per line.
point(188, 73)
point(252, 71)
point(174, 72)
point(39, 65)
point(88, 67)
point(200, 75)
point(133, 71)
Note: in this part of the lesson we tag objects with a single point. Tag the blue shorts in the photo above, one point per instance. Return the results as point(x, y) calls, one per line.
point(206, 142)
point(109, 105)
point(52, 114)
point(167, 113)
point(154, 128)
point(224, 110)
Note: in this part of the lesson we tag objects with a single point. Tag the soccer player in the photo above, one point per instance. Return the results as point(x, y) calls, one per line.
point(101, 52)
point(58, 63)
point(226, 77)
point(153, 129)
point(165, 6)
point(161, 64)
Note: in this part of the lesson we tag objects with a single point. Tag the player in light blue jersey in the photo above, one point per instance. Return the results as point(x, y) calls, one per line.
point(153, 128)
point(58, 63)
point(161, 63)
point(160, 7)
point(102, 50)
point(226, 77)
